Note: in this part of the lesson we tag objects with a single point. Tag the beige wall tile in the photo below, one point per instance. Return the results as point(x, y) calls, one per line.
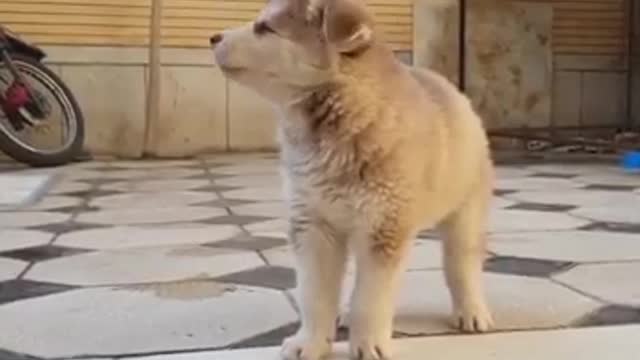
point(113, 102)
point(193, 117)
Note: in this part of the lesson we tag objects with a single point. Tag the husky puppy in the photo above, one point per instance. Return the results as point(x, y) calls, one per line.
point(372, 152)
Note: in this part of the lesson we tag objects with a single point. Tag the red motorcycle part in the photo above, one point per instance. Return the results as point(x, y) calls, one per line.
point(15, 97)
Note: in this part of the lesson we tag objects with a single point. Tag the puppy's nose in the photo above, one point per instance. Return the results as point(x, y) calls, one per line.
point(216, 39)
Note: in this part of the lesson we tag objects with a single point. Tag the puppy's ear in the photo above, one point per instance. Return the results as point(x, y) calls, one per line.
point(346, 24)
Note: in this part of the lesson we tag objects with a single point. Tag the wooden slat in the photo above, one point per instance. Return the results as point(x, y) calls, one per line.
point(187, 23)
point(588, 27)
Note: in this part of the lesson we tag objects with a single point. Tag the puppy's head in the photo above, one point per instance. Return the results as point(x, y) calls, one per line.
point(294, 45)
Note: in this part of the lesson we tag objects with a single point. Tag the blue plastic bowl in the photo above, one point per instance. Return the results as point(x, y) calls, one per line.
point(631, 161)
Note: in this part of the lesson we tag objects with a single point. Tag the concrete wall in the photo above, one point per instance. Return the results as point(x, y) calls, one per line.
point(515, 77)
point(202, 112)
point(509, 58)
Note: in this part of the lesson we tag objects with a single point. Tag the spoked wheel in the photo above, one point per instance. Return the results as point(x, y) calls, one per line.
point(54, 131)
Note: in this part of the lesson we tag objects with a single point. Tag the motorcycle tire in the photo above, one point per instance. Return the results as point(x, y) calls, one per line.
point(59, 89)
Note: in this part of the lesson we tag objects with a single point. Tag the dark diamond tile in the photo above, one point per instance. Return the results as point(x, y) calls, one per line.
point(66, 227)
point(208, 175)
point(251, 243)
point(274, 277)
point(103, 192)
point(542, 207)
point(14, 290)
point(239, 220)
point(605, 187)
point(99, 181)
point(10, 355)
point(226, 203)
point(270, 338)
point(41, 253)
point(525, 267)
point(611, 315)
point(553, 175)
point(502, 192)
point(613, 227)
point(216, 188)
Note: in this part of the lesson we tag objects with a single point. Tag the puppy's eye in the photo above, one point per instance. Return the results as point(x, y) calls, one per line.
point(262, 28)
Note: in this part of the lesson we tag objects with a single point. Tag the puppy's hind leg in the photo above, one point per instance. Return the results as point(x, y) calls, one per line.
point(464, 255)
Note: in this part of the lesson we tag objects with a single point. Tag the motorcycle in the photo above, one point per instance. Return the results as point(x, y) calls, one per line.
point(32, 98)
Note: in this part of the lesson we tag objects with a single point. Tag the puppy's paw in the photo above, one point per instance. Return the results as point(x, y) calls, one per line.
point(302, 347)
point(473, 318)
point(370, 347)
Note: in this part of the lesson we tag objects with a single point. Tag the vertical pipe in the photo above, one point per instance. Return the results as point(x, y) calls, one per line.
point(154, 85)
point(462, 45)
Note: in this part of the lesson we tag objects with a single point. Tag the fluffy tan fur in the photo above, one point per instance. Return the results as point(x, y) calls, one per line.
point(372, 151)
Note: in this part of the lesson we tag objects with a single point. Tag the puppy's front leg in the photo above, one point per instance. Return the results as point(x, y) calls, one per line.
point(321, 259)
point(379, 265)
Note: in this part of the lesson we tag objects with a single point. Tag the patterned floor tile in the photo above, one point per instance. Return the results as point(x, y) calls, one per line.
point(613, 227)
point(143, 265)
point(542, 207)
point(269, 209)
point(576, 246)
point(281, 256)
point(611, 315)
point(9, 220)
point(531, 183)
point(500, 203)
point(525, 267)
point(269, 167)
point(267, 193)
point(69, 187)
point(10, 355)
point(155, 164)
point(253, 181)
point(270, 338)
point(573, 169)
point(14, 290)
point(127, 237)
point(148, 216)
point(158, 318)
point(41, 253)
point(615, 283)
point(606, 187)
point(20, 239)
point(151, 200)
point(517, 303)
point(54, 203)
point(157, 185)
point(620, 213)
point(613, 178)
point(576, 197)
point(583, 344)
point(274, 277)
point(267, 228)
point(11, 268)
point(240, 220)
point(523, 220)
point(251, 243)
point(22, 187)
point(551, 175)
point(508, 172)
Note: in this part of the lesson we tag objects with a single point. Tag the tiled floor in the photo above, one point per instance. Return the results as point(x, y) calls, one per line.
point(122, 259)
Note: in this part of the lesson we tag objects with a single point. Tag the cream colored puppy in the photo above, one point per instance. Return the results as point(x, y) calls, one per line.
point(372, 152)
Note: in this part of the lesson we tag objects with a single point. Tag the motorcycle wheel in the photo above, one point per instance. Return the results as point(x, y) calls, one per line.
point(54, 89)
